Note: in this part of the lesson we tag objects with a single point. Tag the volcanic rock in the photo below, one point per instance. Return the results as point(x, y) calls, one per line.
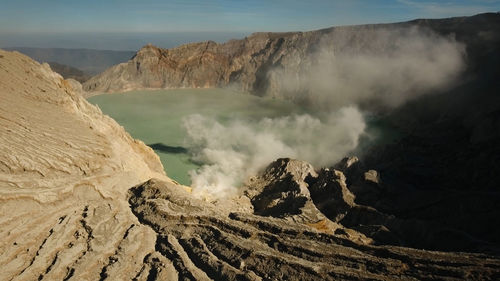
point(202, 242)
point(263, 62)
point(281, 191)
point(65, 169)
point(330, 194)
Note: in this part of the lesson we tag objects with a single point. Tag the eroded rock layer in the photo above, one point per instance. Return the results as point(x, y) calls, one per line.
point(197, 240)
point(65, 169)
point(280, 64)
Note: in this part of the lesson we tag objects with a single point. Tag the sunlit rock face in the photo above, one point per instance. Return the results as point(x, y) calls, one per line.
point(65, 169)
point(382, 65)
point(375, 66)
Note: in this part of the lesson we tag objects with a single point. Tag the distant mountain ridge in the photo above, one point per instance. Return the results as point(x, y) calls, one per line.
point(67, 71)
point(88, 60)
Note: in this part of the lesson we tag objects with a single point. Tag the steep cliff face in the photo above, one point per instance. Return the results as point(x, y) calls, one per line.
point(445, 168)
point(241, 63)
point(196, 65)
point(297, 65)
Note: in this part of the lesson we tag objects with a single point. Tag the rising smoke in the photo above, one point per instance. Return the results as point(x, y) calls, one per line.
point(371, 66)
point(352, 68)
point(239, 149)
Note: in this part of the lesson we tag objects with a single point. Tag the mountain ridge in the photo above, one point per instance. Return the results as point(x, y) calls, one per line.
point(91, 61)
point(250, 64)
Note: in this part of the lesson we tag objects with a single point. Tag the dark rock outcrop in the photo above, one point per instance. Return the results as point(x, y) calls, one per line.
point(281, 191)
point(330, 194)
point(198, 241)
point(444, 169)
point(292, 190)
point(405, 214)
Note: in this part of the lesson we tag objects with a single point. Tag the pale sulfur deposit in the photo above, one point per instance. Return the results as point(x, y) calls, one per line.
point(65, 169)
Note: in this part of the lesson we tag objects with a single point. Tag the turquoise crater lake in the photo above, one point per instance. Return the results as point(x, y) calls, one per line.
point(155, 117)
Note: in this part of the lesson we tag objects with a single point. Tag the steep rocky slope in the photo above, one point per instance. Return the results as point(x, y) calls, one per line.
point(77, 202)
point(278, 63)
point(65, 169)
point(445, 168)
point(197, 240)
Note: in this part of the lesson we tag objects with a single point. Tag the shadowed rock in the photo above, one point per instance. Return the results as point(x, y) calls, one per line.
point(204, 242)
point(330, 194)
point(168, 149)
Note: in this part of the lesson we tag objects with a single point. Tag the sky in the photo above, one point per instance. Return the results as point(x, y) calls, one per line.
point(123, 24)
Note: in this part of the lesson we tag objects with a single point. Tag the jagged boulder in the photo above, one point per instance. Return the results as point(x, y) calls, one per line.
point(281, 191)
point(365, 184)
point(330, 194)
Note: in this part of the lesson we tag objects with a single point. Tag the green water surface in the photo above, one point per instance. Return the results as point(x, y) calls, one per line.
point(156, 117)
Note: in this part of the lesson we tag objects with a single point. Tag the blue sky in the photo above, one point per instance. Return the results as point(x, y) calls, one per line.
point(31, 18)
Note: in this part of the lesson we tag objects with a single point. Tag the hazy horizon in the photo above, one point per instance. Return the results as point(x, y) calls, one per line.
point(128, 25)
point(119, 41)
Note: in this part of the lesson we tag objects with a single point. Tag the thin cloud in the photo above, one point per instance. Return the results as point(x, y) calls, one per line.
point(446, 9)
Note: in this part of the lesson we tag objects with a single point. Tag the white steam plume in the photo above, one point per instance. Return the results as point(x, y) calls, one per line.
point(376, 66)
point(239, 149)
point(368, 67)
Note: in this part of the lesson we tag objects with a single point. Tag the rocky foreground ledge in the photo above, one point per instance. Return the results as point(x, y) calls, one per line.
point(81, 200)
point(65, 169)
point(285, 237)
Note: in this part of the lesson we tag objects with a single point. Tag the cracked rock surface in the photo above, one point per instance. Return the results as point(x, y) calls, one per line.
point(198, 241)
point(65, 169)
